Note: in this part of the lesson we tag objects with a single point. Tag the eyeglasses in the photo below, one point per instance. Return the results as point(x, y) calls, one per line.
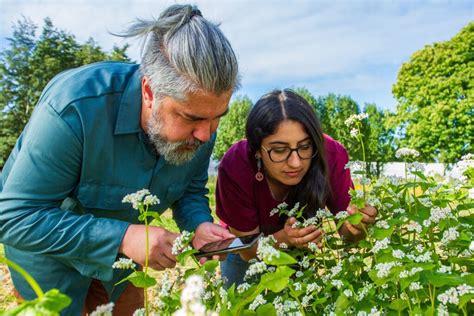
point(280, 154)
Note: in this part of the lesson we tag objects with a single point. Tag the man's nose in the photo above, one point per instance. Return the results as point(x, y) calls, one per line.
point(203, 131)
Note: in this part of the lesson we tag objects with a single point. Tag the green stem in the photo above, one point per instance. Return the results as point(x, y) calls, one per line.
point(34, 285)
point(147, 250)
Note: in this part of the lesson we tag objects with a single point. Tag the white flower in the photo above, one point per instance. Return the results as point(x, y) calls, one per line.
point(399, 211)
point(297, 286)
point(471, 193)
point(336, 269)
point(419, 248)
point(337, 283)
point(414, 227)
point(283, 245)
point(451, 296)
point(310, 221)
point(124, 263)
point(450, 235)
point(341, 215)
point(464, 289)
point(382, 224)
point(347, 293)
point(397, 253)
point(406, 152)
point(442, 310)
point(415, 166)
point(380, 244)
point(103, 310)
point(259, 300)
point(181, 243)
point(142, 197)
point(243, 287)
point(139, 312)
point(312, 287)
point(254, 269)
point(408, 273)
point(445, 269)
point(165, 285)
point(354, 118)
point(438, 214)
point(312, 246)
point(415, 286)
point(383, 269)
point(323, 213)
point(265, 249)
point(294, 210)
point(354, 132)
point(299, 274)
point(306, 300)
point(471, 246)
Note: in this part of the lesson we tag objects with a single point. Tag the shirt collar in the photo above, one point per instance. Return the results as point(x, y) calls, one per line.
point(129, 113)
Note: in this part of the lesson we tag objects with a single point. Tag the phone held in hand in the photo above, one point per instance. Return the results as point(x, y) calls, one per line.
point(228, 245)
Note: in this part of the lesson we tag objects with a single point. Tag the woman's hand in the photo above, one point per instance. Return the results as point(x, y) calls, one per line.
point(300, 237)
point(357, 232)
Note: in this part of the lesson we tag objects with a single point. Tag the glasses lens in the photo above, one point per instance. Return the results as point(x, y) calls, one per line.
point(306, 151)
point(279, 154)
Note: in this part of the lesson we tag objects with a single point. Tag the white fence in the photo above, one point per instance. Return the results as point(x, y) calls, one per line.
point(390, 169)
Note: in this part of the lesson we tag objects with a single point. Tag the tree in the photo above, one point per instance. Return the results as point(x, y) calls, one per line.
point(435, 94)
point(379, 139)
point(232, 126)
point(29, 64)
point(333, 110)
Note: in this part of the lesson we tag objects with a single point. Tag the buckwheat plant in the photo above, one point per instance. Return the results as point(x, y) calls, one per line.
point(416, 260)
point(141, 201)
point(50, 303)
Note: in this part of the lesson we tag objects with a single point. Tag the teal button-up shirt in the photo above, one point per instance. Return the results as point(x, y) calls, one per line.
point(83, 150)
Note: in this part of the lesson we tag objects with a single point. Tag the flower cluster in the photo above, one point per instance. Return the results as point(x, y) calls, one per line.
point(355, 118)
point(141, 198)
point(124, 263)
point(406, 153)
point(181, 243)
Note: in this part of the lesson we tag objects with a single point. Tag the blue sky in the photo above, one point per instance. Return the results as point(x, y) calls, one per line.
point(346, 47)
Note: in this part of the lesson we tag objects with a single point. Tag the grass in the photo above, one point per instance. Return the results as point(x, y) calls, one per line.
point(8, 301)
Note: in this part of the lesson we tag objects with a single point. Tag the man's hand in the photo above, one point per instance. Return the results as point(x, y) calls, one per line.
point(209, 232)
point(357, 232)
point(161, 242)
point(300, 237)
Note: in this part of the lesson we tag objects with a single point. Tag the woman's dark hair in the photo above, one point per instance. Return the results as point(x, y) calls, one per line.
point(263, 120)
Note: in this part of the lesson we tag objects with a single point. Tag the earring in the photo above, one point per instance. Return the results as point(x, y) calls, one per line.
point(259, 174)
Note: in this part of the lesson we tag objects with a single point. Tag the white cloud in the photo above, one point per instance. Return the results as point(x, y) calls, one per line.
point(349, 47)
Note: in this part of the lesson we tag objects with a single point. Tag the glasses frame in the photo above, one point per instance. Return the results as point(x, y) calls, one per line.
point(269, 151)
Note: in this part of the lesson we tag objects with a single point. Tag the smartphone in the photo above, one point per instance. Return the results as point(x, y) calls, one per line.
point(228, 245)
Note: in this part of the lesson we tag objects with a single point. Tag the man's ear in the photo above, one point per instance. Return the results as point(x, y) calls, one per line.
point(147, 93)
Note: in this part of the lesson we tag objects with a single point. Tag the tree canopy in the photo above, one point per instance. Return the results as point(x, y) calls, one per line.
point(232, 126)
point(29, 63)
point(435, 94)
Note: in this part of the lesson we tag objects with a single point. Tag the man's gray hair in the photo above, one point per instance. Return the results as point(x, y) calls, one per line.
point(184, 53)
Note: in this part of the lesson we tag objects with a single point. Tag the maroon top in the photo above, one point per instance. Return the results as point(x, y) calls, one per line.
point(244, 203)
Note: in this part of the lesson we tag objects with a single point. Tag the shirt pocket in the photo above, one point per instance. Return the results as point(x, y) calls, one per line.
point(103, 196)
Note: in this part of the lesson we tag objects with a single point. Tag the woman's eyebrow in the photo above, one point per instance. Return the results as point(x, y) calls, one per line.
point(279, 142)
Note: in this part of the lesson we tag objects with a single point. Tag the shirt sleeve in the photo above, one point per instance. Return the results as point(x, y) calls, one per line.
point(235, 204)
point(43, 170)
point(192, 209)
point(339, 178)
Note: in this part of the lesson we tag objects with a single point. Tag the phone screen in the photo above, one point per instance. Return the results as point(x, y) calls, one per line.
point(229, 245)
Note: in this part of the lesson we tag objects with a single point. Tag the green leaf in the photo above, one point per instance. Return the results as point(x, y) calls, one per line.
point(50, 304)
point(278, 280)
point(342, 303)
point(463, 300)
point(398, 305)
point(442, 279)
point(266, 310)
point(181, 258)
point(380, 233)
point(139, 279)
point(283, 259)
point(211, 265)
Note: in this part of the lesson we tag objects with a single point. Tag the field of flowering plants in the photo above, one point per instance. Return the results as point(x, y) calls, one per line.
point(416, 260)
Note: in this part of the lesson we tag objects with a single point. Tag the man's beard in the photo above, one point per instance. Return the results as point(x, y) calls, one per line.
point(176, 153)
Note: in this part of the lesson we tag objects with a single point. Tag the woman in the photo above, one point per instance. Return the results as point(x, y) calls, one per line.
point(285, 158)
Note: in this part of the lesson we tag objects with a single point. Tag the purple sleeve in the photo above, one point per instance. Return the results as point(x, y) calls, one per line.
point(235, 204)
point(339, 177)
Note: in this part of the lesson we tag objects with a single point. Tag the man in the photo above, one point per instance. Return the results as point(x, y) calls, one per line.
point(105, 130)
